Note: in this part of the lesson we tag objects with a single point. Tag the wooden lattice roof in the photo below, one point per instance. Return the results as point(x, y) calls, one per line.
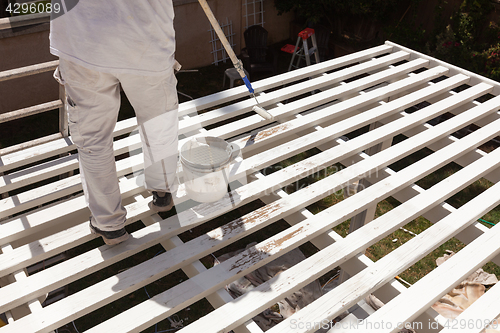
point(314, 107)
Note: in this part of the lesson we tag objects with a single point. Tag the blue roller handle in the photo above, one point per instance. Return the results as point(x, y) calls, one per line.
point(248, 84)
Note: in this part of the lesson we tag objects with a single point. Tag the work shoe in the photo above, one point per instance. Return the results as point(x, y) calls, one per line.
point(110, 237)
point(162, 202)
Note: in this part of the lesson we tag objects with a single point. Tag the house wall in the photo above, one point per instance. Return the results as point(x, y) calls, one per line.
point(192, 28)
point(21, 47)
point(192, 34)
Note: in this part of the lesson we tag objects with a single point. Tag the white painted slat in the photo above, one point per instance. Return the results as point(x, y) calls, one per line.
point(375, 163)
point(31, 175)
point(455, 70)
point(55, 190)
point(27, 70)
point(59, 166)
point(54, 148)
point(29, 155)
point(286, 282)
point(32, 305)
point(33, 222)
point(58, 189)
point(27, 224)
point(39, 196)
point(29, 111)
point(466, 159)
point(29, 144)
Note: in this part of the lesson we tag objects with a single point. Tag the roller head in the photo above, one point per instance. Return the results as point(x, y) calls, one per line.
point(263, 113)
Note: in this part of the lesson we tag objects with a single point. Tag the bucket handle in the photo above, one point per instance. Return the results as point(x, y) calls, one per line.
point(235, 151)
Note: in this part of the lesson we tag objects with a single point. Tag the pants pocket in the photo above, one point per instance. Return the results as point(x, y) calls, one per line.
point(170, 88)
point(58, 77)
point(73, 123)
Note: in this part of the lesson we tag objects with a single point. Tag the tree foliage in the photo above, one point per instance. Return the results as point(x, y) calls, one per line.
point(316, 11)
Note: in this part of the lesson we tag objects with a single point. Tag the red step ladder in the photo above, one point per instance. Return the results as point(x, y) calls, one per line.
point(303, 52)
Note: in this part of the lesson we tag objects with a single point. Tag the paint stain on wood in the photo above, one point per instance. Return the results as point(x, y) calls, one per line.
point(255, 254)
point(269, 246)
point(250, 256)
point(259, 136)
point(246, 222)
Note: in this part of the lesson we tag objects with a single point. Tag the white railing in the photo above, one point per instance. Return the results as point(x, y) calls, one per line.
point(21, 21)
point(21, 113)
point(24, 20)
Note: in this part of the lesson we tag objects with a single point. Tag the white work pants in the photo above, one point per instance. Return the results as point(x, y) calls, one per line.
point(93, 102)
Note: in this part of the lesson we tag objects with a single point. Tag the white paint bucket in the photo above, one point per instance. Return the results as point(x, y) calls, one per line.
point(205, 162)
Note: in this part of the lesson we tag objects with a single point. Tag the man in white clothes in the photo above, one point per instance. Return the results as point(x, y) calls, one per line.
point(103, 45)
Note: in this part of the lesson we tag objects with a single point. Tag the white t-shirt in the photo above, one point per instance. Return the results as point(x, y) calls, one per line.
point(117, 36)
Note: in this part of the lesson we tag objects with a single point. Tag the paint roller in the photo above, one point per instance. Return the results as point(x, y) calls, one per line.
point(236, 62)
